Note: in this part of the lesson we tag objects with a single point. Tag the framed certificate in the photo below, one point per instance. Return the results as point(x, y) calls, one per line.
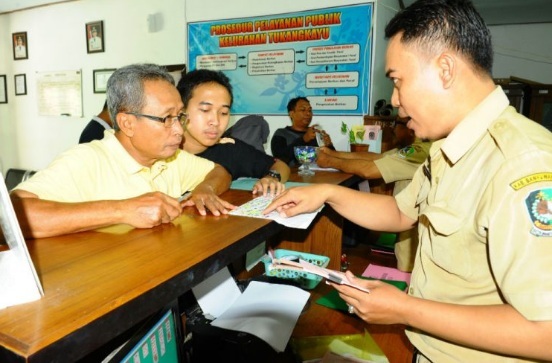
point(20, 84)
point(100, 79)
point(3, 89)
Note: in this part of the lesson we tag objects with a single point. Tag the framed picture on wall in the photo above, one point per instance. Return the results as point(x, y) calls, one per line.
point(20, 84)
point(100, 79)
point(95, 37)
point(3, 89)
point(20, 46)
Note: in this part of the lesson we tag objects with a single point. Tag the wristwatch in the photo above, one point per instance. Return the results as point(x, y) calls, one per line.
point(275, 174)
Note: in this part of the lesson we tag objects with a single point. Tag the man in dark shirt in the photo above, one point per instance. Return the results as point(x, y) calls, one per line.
point(299, 133)
point(96, 127)
point(207, 98)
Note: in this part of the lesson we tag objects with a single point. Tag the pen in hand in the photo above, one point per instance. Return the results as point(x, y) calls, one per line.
point(184, 196)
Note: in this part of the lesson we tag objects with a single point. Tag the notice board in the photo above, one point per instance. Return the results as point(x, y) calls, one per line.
point(59, 93)
point(324, 55)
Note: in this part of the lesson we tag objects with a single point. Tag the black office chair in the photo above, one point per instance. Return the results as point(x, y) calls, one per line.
point(252, 129)
point(16, 176)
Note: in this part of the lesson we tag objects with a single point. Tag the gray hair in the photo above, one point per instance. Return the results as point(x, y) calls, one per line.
point(125, 88)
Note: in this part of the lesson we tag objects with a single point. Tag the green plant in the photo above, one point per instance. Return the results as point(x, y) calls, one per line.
point(353, 134)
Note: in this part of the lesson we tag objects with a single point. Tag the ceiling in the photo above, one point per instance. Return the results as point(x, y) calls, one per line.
point(499, 12)
point(495, 12)
point(7, 6)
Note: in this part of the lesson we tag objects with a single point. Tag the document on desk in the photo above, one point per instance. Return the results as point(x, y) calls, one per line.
point(316, 167)
point(255, 207)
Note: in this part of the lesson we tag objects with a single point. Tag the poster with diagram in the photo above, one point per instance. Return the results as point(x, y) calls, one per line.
point(324, 55)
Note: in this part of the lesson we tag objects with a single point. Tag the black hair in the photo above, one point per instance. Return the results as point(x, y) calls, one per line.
point(455, 24)
point(197, 77)
point(293, 102)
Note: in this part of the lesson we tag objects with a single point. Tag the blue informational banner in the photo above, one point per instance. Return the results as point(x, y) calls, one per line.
point(324, 55)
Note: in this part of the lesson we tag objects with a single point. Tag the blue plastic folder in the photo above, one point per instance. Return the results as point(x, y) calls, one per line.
point(248, 183)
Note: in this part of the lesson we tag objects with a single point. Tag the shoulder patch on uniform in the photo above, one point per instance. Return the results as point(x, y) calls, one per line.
point(539, 207)
point(406, 151)
point(530, 179)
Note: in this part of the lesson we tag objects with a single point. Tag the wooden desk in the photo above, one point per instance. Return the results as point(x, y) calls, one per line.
point(100, 284)
point(325, 235)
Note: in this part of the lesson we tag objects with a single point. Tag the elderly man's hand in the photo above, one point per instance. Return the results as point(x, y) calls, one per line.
point(149, 210)
point(205, 199)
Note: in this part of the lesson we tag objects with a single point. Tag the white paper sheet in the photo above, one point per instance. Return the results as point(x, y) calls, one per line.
point(316, 167)
point(255, 207)
point(217, 293)
point(268, 311)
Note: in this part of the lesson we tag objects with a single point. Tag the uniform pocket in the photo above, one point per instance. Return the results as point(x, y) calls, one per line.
point(449, 246)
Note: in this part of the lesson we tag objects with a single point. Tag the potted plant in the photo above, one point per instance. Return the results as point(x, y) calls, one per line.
point(355, 135)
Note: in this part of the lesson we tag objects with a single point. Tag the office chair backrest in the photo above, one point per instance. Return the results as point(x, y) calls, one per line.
point(16, 176)
point(252, 129)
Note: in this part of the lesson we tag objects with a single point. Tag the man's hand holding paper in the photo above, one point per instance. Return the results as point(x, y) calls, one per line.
point(383, 305)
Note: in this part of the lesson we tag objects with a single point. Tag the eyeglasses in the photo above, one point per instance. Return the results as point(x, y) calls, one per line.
point(168, 121)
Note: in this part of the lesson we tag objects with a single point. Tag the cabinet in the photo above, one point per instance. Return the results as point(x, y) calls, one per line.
point(532, 99)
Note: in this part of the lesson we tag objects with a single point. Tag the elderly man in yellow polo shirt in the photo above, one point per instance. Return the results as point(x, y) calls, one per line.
point(135, 175)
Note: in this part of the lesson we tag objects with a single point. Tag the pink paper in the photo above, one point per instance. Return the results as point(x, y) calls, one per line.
point(386, 273)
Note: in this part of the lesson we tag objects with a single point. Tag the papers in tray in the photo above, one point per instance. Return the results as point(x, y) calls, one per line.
point(255, 207)
point(331, 275)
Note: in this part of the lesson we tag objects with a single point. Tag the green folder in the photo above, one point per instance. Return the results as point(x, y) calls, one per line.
point(333, 301)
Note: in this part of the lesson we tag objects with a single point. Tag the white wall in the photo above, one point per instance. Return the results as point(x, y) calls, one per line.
point(57, 42)
point(56, 36)
point(524, 51)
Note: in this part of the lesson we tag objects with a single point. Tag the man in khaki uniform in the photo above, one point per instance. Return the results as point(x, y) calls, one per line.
point(481, 288)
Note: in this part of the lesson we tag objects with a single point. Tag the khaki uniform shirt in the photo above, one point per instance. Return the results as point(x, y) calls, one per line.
point(104, 170)
point(484, 210)
point(399, 166)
